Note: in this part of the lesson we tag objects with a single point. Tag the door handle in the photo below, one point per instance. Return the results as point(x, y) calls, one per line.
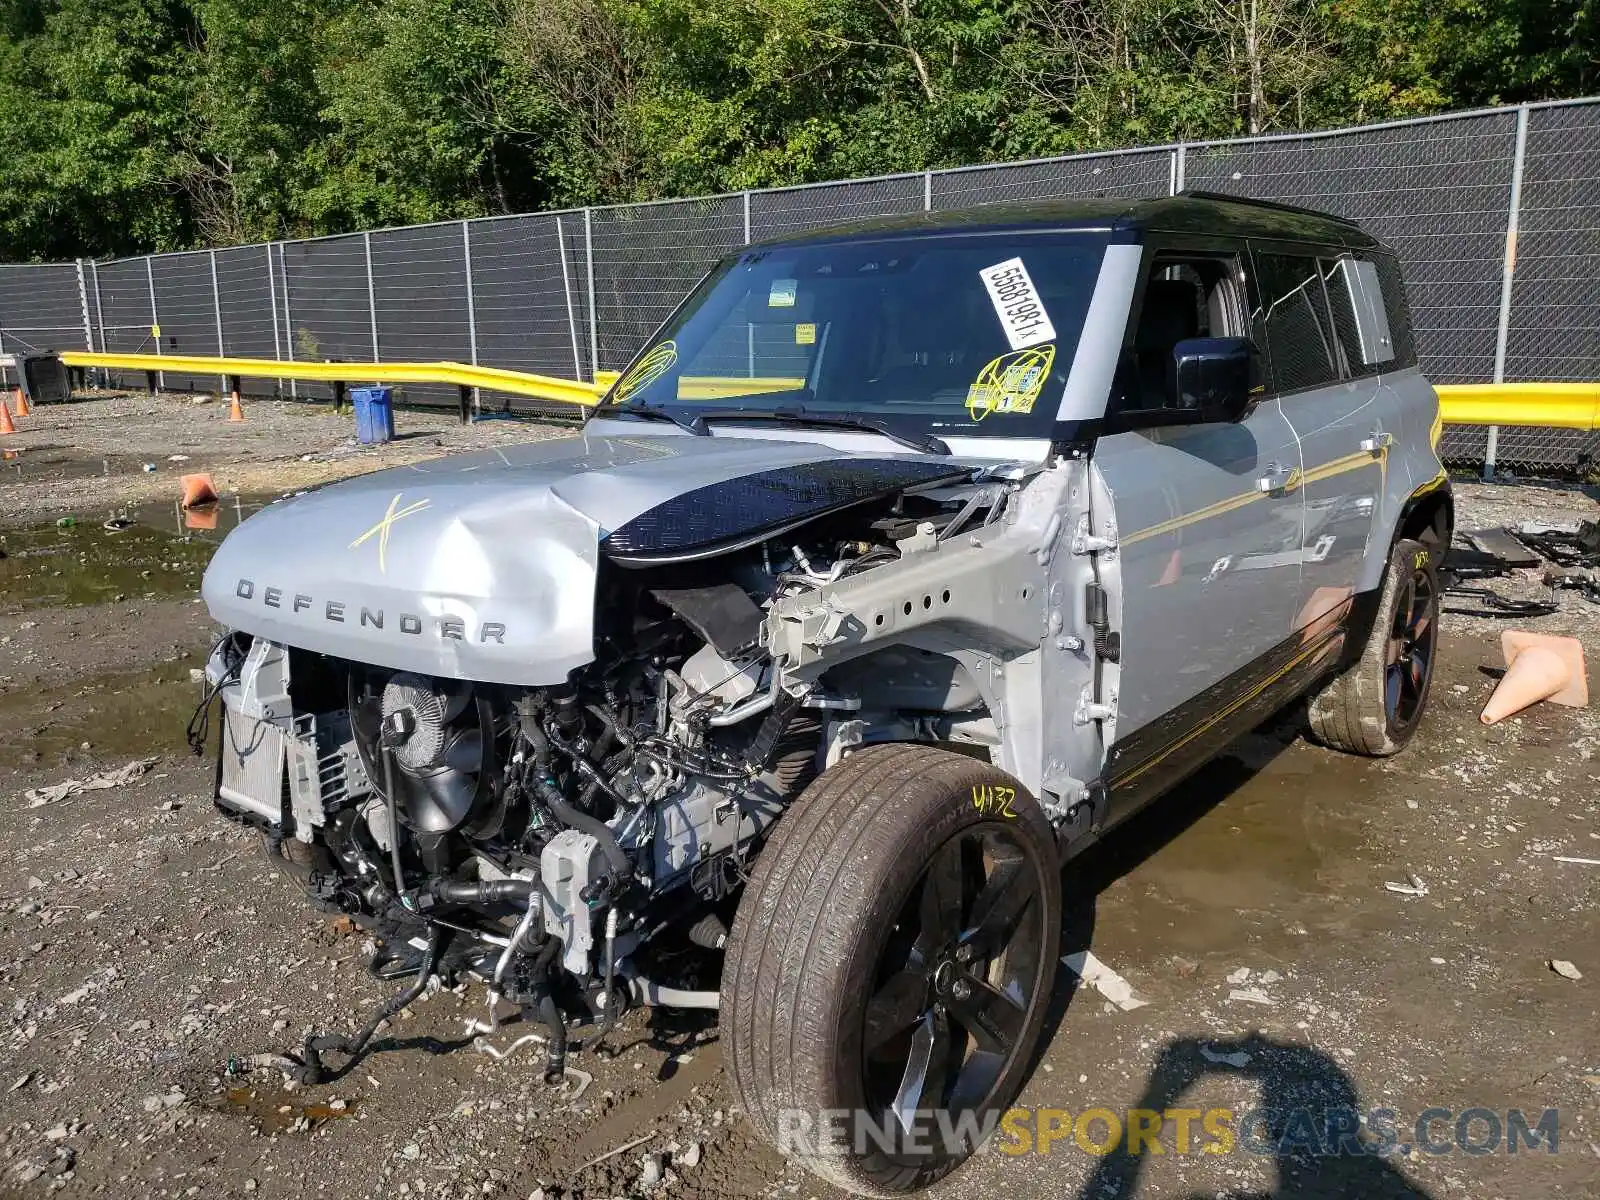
point(1378, 442)
point(1276, 479)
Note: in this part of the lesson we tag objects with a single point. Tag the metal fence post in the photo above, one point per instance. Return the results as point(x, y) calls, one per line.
point(566, 290)
point(1508, 271)
point(372, 295)
point(100, 317)
point(594, 325)
point(288, 321)
point(272, 303)
point(155, 320)
point(472, 309)
point(99, 310)
point(1180, 167)
point(747, 218)
point(83, 305)
point(216, 308)
point(927, 191)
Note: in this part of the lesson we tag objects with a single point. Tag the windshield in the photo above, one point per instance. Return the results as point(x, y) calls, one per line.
point(955, 335)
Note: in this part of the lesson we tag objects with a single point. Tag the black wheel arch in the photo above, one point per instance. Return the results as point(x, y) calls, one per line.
point(1428, 515)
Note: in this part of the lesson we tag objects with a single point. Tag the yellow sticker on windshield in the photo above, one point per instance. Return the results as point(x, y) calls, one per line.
point(1011, 383)
point(805, 334)
point(646, 371)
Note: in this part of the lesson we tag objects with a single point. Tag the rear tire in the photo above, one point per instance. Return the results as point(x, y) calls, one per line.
point(909, 893)
point(1375, 705)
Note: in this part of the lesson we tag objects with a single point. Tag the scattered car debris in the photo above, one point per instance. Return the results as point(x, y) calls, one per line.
point(1415, 886)
point(1490, 554)
point(1251, 995)
point(622, 1149)
point(1567, 858)
point(1574, 544)
point(1236, 1058)
point(1565, 969)
point(484, 1046)
point(245, 1063)
point(1503, 545)
point(1582, 579)
point(1104, 980)
point(39, 797)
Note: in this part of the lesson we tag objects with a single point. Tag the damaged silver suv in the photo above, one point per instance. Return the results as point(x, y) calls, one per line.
point(906, 560)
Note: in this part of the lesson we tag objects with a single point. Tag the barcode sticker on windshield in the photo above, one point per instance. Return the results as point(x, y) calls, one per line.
point(1017, 304)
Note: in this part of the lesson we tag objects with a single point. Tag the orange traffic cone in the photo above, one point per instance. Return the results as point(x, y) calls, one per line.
point(22, 402)
point(197, 490)
point(235, 412)
point(1538, 667)
point(5, 419)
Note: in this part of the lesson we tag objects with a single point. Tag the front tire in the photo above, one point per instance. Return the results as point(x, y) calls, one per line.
point(893, 957)
point(1375, 705)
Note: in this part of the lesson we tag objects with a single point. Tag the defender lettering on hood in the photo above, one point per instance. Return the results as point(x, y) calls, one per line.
point(341, 612)
point(484, 566)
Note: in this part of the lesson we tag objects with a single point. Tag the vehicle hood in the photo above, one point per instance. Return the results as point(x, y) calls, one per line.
point(483, 566)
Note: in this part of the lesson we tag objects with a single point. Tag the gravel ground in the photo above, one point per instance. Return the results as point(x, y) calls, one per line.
point(144, 943)
point(94, 454)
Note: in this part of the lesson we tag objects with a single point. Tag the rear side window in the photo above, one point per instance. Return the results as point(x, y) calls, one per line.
point(1360, 317)
point(1294, 323)
point(1396, 308)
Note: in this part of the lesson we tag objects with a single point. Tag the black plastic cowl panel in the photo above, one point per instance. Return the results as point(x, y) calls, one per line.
point(724, 516)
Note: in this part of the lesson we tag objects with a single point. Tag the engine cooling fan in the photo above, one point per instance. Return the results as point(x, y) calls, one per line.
point(441, 740)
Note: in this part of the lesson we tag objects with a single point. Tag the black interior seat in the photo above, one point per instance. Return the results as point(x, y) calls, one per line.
point(1171, 314)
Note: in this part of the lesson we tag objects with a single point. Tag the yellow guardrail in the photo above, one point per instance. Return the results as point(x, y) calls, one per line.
point(1566, 405)
point(517, 383)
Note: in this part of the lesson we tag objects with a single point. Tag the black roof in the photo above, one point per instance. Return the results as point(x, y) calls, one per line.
point(1188, 212)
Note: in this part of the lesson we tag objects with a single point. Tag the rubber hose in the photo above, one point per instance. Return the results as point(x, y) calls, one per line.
point(484, 891)
point(550, 796)
point(393, 803)
point(314, 1072)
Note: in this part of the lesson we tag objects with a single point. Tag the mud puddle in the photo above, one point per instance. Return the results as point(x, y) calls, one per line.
point(153, 551)
point(1283, 833)
point(54, 462)
point(272, 1110)
point(120, 713)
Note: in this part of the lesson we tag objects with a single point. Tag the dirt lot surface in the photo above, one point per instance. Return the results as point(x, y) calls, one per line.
point(102, 455)
point(145, 944)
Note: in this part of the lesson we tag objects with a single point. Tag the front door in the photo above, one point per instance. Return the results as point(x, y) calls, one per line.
point(1209, 525)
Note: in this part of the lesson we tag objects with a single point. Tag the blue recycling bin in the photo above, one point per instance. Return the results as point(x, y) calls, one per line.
point(374, 414)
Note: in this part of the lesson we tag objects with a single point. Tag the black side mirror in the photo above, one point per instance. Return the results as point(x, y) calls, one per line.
point(1211, 377)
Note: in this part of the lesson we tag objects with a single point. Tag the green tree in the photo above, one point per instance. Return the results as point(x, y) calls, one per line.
point(130, 125)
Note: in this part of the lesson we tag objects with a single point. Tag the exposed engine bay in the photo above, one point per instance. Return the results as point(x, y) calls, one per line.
point(579, 847)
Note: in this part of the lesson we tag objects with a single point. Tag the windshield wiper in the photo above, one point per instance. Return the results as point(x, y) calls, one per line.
point(695, 425)
point(925, 442)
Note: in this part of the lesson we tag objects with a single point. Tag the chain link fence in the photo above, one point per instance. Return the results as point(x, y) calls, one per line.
point(1495, 216)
